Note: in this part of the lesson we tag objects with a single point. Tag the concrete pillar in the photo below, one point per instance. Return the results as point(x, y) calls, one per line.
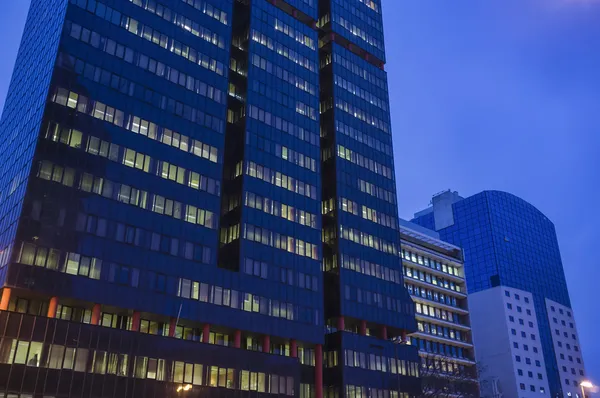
point(363, 328)
point(52, 306)
point(267, 344)
point(237, 339)
point(206, 333)
point(5, 299)
point(172, 327)
point(384, 335)
point(96, 312)
point(403, 338)
point(293, 349)
point(318, 371)
point(341, 323)
point(135, 321)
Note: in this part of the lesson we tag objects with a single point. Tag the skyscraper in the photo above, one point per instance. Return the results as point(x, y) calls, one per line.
point(197, 197)
point(512, 256)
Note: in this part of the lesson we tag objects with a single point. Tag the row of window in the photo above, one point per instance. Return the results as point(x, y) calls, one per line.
point(283, 74)
point(148, 33)
point(131, 158)
point(365, 162)
point(306, 355)
point(294, 34)
point(367, 213)
point(372, 269)
point(439, 348)
point(432, 295)
point(440, 331)
point(434, 365)
point(532, 388)
point(283, 50)
point(358, 13)
point(433, 279)
point(208, 9)
point(54, 356)
point(141, 237)
point(367, 240)
point(283, 125)
point(538, 363)
point(356, 359)
point(284, 275)
point(353, 391)
point(184, 23)
point(163, 102)
point(356, 31)
point(375, 299)
point(282, 210)
point(126, 194)
point(248, 302)
point(288, 154)
point(278, 179)
point(360, 72)
point(361, 93)
point(363, 138)
point(134, 124)
point(430, 262)
point(126, 86)
point(438, 313)
point(356, 112)
point(287, 243)
point(376, 191)
point(564, 369)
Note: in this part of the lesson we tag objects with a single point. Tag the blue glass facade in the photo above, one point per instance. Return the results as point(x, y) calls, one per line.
point(507, 242)
point(191, 193)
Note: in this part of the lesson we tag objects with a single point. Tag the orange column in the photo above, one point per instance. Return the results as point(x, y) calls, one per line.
point(5, 299)
point(237, 339)
point(384, 333)
point(172, 327)
point(293, 349)
point(341, 323)
point(267, 344)
point(135, 321)
point(52, 307)
point(96, 312)
point(363, 328)
point(206, 333)
point(318, 371)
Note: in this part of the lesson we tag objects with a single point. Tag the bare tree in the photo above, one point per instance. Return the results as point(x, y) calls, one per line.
point(441, 377)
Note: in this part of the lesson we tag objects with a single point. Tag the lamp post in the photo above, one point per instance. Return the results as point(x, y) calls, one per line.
point(585, 384)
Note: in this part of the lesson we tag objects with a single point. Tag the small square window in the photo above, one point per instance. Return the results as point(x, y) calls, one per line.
point(511, 318)
point(522, 386)
point(532, 388)
point(509, 306)
point(526, 299)
point(552, 308)
point(538, 363)
point(528, 312)
point(530, 324)
point(518, 358)
point(507, 293)
point(516, 345)
point(519, 309)
point(520, 372)
point(517, 297)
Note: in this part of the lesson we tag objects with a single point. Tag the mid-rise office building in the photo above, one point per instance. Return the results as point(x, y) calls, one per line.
point(508, 243)
point(434, 276)
point(197, 198)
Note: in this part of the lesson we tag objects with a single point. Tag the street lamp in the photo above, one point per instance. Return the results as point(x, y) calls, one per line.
point(585, 384)
point(187, 387)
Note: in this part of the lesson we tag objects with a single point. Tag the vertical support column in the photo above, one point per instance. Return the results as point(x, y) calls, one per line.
point(384, 335)
point(363, 328)
point(135, 321)
point(267, 344)
point(318, 371)
point(293, 349)
point(5, 299)
point(403, 338)
point(96, 311)
point(206, 333)
point(52, 306)
point(237, 339)
point(172, 327)
point(341, 323)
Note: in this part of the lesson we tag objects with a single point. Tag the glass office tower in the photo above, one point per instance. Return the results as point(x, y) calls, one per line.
point(192, 193)
point(510, 243)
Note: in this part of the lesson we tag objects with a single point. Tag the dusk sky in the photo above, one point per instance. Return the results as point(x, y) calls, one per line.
point(487, 94)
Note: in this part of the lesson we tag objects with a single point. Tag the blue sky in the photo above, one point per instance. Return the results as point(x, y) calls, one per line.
point(487, 94)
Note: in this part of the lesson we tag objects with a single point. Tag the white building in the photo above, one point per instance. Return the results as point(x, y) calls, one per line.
point(566, 348)
point(507, 343)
